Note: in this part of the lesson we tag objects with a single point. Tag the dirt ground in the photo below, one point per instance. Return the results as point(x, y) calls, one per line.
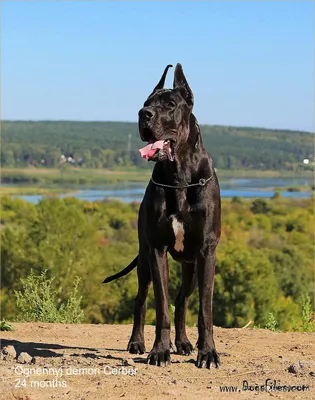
point(83, 362)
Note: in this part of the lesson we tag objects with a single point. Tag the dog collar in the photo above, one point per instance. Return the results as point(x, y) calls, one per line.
point(202, 182)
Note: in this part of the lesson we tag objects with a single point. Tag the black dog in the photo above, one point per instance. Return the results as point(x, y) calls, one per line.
point(180, 214)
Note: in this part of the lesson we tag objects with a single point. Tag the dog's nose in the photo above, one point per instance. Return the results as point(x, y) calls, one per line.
point(146, 113)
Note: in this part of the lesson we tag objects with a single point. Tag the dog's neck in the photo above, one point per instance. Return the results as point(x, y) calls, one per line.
point(185, 168)
point(188, 167)
point(191, 161)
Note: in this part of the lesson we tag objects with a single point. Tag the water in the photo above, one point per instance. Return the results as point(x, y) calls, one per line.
point(129, 191)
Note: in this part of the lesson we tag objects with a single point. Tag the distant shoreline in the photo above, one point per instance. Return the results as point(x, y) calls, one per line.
point(78, 176)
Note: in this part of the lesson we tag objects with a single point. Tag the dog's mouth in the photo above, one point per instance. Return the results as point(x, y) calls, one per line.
point(158, 150)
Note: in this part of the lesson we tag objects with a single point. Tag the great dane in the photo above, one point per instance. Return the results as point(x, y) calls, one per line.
point(180, 214)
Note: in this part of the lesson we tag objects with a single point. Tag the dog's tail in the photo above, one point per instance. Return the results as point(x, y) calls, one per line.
point(125, 271)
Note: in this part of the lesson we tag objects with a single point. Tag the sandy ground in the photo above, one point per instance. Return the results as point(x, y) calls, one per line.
point(89, 356)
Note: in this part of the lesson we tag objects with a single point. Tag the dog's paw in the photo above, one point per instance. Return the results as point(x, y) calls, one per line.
point(207, 358)
point(159, 355)
point(136, 347)
point(184, 347)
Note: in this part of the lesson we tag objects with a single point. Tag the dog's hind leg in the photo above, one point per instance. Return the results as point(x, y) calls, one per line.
point(136, 343)
point(189, 282)
point(207, 353)
point(160, 353)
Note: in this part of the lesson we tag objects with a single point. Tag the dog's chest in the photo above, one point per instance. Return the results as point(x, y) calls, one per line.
point(181, 234)
point(174, 223)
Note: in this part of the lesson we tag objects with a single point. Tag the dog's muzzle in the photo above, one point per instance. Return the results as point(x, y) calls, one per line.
point(158, 150)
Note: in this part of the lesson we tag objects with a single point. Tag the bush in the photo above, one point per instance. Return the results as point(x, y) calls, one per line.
point(271, 322)
point(260, 206)
point(293, 189)
point(237, 200)
point(276, 195)
point(307, 321)
point(39, 302)
point(5, 326)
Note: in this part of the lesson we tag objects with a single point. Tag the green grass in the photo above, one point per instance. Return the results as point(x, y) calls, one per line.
point(224, 173)
point(77, 176)
point(72, 176)
point(292, 189)
point(20, 191)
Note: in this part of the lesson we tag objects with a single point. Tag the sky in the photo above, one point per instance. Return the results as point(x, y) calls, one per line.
point(249, 63)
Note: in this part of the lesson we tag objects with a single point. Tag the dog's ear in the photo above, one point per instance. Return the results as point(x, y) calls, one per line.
point(160, 85)
point(181, 84)
point(194, 132)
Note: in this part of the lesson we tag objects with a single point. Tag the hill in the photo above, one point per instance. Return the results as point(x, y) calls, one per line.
point(116, 144)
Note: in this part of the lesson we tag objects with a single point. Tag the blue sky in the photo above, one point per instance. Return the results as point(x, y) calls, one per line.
point(249, 63)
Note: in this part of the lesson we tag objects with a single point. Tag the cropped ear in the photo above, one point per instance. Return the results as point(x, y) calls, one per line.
point(160, 85)
point(181, 84)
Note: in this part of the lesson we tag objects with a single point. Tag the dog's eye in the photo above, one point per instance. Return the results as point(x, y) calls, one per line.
point(171, 104)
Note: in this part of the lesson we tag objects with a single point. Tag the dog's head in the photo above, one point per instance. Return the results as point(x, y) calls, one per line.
point(166, 118)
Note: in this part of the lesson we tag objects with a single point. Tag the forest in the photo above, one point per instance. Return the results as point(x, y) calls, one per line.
point(265, 259)
point(114, 145)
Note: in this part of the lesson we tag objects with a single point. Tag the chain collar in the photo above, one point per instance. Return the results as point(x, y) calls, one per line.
point(202, 182)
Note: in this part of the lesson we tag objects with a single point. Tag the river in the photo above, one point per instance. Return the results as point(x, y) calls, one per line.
point(246, 188)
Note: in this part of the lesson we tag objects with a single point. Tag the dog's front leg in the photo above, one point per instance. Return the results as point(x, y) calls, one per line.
point(207, 353)
point(160, 353)
point(189, 282)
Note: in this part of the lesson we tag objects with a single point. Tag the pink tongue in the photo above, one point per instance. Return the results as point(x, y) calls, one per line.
point(148, 151)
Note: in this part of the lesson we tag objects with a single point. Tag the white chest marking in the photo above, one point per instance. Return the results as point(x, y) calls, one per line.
point(179, 233)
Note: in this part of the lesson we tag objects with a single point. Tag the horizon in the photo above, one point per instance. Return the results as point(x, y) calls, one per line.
point(249, 65)
point(136, 122)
